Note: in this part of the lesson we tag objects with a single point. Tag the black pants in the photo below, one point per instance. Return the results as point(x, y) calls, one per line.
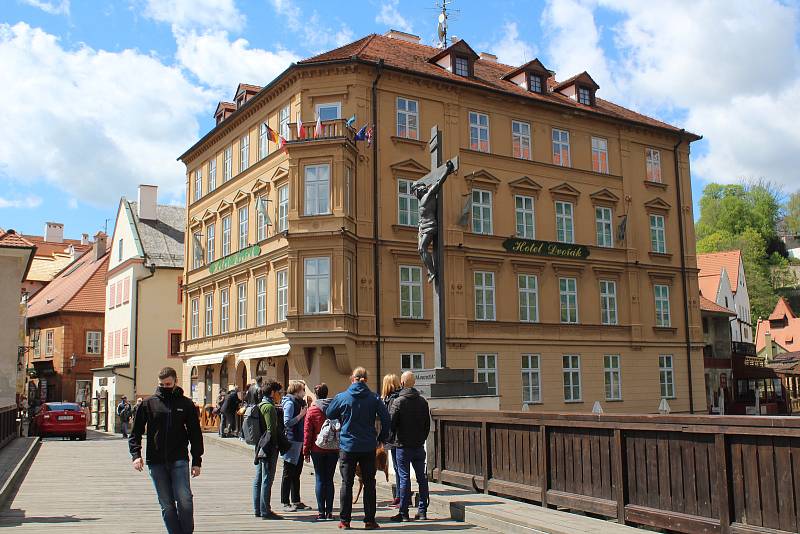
point(347, 467)
point(290, 481)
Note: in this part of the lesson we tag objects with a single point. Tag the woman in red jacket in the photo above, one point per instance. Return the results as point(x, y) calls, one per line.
point(324, 459)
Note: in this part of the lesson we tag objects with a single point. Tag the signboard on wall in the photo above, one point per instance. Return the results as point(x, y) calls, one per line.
point(234, 259)
point(534, 247)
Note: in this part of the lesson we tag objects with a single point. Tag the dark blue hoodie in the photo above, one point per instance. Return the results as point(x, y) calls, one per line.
point(357, 408)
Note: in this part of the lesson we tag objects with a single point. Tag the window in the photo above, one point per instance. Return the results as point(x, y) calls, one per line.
point(226, 235)
point(263, 141)
point(195, 318)
point(348, 285)
point(197, 252)
point(407, 118)
point(561, 147)
point(584, 96)
point(661, 293)
point(528, 288)
point(119, 249)
point(572, 377)
point(482, 212)
point(531, 379)
point(487, 371)
point(209, 319)
point(94, 340)
point(243, 216)
point(198, 184)
point(244, 152)
point(407, 204)
point(212, 174)
point(600, 155)
point(410, 292)
point(484, 296)
point(413, 361)
point(36, 342)
point(568, 290)
point(261, 301)
point(658, 241)
point(283, 122)
point(317, 186)
point(317, 284)
point(224, 310)
point(210, 243)
point(227, 164)
point(564, 223)
point(653, 164)
point(521, 139)
point(526, 225)
point(666, 376)
point(478, 131)
point(241, 308)
point(330, 111)
point(283, 208)
point(608, 302)
point(535, 83)
point(283, 293)
point(461, 66)
point(603, 225)
point(611, 376)
point(261, 218)
point(174, 343)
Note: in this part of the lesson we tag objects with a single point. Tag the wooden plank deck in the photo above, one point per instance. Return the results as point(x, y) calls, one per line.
point(90, 486)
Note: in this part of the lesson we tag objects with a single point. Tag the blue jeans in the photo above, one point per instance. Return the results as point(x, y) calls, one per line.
point(171, 481)
point(406, 457)
point(393, 451)
point(262, 484)
point(324, 468)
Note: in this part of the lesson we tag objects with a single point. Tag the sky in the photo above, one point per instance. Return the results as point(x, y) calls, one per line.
point(102, 96)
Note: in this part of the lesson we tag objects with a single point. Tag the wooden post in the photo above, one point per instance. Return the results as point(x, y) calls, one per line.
point(618, 480)
point(723, 486)
point(485, 455)
point(544, 464)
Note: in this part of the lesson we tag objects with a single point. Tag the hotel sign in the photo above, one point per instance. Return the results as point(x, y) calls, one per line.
point(533, 247)
point(234, 259)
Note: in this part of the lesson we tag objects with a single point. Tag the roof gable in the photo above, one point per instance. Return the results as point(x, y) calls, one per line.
point(410, 166)
point(460, 48)
point(531, 66)
point(604, 195)
point(526, 184)
point(579, 79)
point(564, 189)
point(713, 262)
point(657, 203)
point(71, 289)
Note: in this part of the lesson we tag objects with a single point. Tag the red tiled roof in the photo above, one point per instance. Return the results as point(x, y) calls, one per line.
point(711, 265)
point(48, 248)
point(782, 309)
point(11, 238)
point(787, 336)
point(707, 305)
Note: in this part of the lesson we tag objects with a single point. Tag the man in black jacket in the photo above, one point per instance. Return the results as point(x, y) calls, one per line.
point(171, 422)
point(253, 395)
point(411, 423)
point(229, 409)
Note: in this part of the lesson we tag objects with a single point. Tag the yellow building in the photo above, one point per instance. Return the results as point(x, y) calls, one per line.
point(564, 254)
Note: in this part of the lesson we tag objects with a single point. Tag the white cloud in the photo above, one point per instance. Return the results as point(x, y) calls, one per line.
point(196, 13)
point(315, 32)
point(223, 64)
point(28, 202)
point(392, 18)
point(510, 49)
point(93, 123)
point(290, 11)
point(52, 8)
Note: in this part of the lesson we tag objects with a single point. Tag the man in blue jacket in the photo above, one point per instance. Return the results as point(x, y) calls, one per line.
point(357, 408)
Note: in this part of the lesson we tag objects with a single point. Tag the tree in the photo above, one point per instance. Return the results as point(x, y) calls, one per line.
point(735, 207)
point(792, 217)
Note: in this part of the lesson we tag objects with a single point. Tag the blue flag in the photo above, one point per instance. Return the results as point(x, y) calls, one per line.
point(361, 135)
point(351, 120)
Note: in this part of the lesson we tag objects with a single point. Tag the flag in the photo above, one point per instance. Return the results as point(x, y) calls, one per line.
point(282, 143)
point(318, 127)
point(361, 135)
point(351, 120)
point(198, 249)
point(463, 219)
point(261, 209)
point(301, 132)
point(272, 135)
point(369, 135)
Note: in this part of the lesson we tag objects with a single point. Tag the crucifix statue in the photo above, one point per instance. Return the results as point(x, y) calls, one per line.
point(431, 232)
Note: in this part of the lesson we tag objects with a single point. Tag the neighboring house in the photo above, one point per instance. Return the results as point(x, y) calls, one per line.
point(65, 328)
point(722, 280)
point(143, 303)
point(790, 239)
point(53, 253)
point(716, 352)
point(779, 333)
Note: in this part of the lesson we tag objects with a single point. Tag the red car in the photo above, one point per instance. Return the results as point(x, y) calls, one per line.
point(64, 419)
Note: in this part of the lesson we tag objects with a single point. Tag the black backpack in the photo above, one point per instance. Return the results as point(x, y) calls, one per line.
point(252, 425)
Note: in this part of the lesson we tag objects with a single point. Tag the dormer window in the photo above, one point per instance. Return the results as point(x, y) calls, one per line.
point(584, 96)
point(535, 83)
point(458, 58)
point(580, 88)
point(461, 66)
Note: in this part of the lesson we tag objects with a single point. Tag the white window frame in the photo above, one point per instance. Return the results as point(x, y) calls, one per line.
point(407, 119)
point(227, 163)
point(283, 121)
point(658, 237)
point(532, 371)
point(283, 208)
point(458, 63)
point(241, 306)
point(198, 183)
point(568, 299)
point(484, 372)
point(652, 158)
point(49, 342)
point(663, 312)
point(600, 148)
point(604, 226)
point(317, 189)
point(212, 174)
point(612, 377)
point(263, 140)
point(411, 292)
point(521, 139)
point(224, 310)
point(608, 302)
point(209, 315)
point(244, 222)
point(560, 140)
point(210, 242)
point(412, 361)
point(484, 295)
point(482, 211)
point(525, 216)
point(666, 376)
point(583, 95)
point(407, 204)
point(571, 373)
point(479, 131)
point(565, 222)
point(195, 318)
point(261, 301)
point(337, 105)
point(282, 294)
point(315, 284)
point(528, 294)
point(226, 235)
point(244, 152)
point(94, 342)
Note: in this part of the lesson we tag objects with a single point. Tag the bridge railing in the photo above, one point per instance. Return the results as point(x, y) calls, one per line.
point(688, 474)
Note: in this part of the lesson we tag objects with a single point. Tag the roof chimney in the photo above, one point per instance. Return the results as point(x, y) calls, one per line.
point(403, 36)
point(148, 198)
point(84, 239)
point(100, 245)
point(54, 232)
point(486, 56)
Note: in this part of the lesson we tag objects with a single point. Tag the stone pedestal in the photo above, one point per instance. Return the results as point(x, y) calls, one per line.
point(443, 382)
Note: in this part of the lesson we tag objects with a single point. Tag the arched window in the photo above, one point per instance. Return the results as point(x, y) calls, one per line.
point(261, 370)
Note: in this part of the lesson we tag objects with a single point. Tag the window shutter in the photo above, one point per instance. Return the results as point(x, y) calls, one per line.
point(123, 348)
point(119, 293)
point(126, 291)
point(109, 340)
point(117, 344)
point(112, 294)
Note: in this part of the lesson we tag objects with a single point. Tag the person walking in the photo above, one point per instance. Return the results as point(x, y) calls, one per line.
point(357, 408)
point(170, 422)
point(266, 451)
point(221, 397)
point(253, 395)
point(124, 411)
point(294, 412)
point(229, 408)
point(136, 409)
point(324, 459)
point(389, 391)
point(411, 423)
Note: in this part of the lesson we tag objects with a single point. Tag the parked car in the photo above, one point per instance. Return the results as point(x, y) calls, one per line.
point(60, 419)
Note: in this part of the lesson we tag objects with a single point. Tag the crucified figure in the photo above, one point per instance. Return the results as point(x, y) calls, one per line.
point(427, 192)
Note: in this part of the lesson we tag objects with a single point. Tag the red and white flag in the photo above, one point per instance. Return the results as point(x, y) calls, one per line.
point(301, 132)
point(318, 127)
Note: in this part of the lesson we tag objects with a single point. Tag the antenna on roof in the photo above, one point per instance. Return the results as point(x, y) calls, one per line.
point(444, 16)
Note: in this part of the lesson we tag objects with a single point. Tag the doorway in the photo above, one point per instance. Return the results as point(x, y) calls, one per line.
point(285, 374)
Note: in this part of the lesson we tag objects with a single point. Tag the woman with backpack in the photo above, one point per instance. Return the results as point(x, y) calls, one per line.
point(294, 412)
point(389, 392)
point(321, 445)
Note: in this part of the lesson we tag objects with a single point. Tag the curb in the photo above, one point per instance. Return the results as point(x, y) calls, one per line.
point(10, 485)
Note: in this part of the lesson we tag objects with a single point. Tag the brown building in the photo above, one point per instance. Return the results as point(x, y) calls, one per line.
point(53, 253)
point(65, 329)
point(570, 244)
